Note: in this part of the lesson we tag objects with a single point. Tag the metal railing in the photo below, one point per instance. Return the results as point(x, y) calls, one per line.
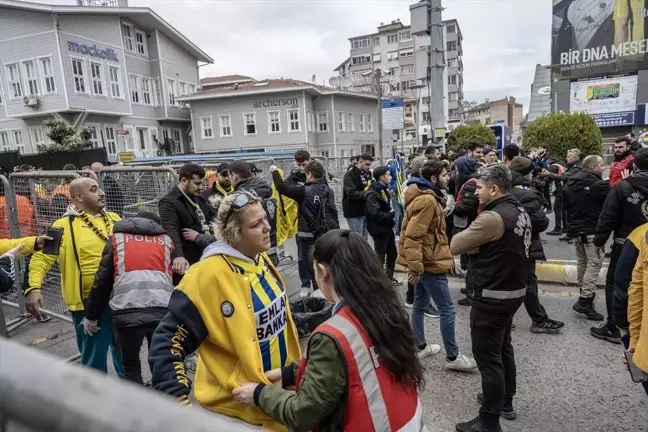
point(43, 394)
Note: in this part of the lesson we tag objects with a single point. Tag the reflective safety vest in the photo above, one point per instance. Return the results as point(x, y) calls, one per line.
point(143, 274)
point(376, 402)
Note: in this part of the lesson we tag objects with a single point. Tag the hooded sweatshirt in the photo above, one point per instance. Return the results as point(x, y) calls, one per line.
point(584, 195)
point(234, 310)
point(264, 191)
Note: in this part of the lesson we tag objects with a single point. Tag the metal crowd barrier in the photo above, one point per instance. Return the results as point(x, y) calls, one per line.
point(46, 395)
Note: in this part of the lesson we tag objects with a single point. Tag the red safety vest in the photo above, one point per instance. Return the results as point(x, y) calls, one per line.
point(377, 402)
point(143, 274)
point(617, 167)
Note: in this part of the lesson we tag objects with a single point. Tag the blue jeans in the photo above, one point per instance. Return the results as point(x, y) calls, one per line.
point(358, 225)
point(94, 349)
point(435, 286)
point(398, 215)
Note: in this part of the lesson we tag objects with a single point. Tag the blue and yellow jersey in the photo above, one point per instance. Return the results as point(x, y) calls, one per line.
point(623, 275)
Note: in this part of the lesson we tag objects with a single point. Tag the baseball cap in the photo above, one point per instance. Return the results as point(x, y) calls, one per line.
point(222, 167)
point(254, 169)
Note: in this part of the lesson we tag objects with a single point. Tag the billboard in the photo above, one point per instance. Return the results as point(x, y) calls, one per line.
point(609, 101)
point(599, 37)
point(392, 113)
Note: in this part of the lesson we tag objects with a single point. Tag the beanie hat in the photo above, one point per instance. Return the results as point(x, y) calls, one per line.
point(521, 165)
point(488, 150)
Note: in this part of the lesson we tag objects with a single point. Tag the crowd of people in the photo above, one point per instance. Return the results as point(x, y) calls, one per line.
point(199, 278)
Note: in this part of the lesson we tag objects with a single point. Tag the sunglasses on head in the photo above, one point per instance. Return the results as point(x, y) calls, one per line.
point(240, 200)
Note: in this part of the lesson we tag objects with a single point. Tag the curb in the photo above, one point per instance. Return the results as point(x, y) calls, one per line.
point(565, 272)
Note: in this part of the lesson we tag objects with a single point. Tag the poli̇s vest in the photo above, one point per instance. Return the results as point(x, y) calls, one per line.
point(143, 275)
point(376, 401)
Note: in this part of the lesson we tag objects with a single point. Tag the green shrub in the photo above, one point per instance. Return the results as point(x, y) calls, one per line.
point(565, 131)
point(462, 135)
point(64, 137)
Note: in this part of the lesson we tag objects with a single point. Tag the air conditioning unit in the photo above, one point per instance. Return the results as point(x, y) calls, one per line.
point(31, 101)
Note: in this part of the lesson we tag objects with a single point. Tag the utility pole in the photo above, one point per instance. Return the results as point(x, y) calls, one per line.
point(379, 93)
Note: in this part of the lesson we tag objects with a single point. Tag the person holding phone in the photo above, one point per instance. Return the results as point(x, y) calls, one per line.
point(86, 227)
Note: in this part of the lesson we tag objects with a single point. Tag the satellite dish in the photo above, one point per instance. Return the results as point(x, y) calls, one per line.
point(334, 81)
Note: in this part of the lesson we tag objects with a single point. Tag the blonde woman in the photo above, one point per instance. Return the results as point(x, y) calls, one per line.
point(232, 307)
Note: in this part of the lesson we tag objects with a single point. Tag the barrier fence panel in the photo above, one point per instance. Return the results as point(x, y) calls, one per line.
point(131, 189)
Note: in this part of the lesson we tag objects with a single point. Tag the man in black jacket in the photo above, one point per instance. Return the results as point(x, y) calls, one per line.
point(134, 278)
point(502, 236)
point(624, 209)
point(222, 185)
point(380, 220)
point(574, 165)
point(584, 195)
point(298, 174)
point(317, 214)
point(185, 207)
point(355, 185)
point(114, 196)
point(521, 170)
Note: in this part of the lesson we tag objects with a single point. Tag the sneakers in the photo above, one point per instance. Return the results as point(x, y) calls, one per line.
point(431, 312)
point(585, 306)
point(507, 412)
point(555, 232)
point(462, 363)
point(550, 326)
point(476, 425)
point(605, 333)
point(463, 301)
point(463, 291)
point(565, 238)
point(409, 304)
point(430, 349)
point(396, 282)
point(304, 292)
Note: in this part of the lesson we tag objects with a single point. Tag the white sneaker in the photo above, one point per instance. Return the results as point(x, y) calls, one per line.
point(462, 363)
point(304, 292)
point(430, 349)
point(317, 294)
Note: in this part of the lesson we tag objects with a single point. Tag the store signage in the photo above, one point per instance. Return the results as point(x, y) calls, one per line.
point(106, 54)
point(292, 102)
point(614, 119)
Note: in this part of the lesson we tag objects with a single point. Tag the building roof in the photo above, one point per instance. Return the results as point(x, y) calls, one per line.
point(225, 79)
point(142, 16)
point(348, 60)
point(398, 26)
point(489, 104)
point(269, 86)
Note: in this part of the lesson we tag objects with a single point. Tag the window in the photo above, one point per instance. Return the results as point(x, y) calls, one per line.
point(407, 70)
point(453, 113)
point(111, 140)
point(182, 88)
point(15, 85)
point(293, 121)
point(133, 81)
point(393, 71)
point(5, 143)
point(78, 74)
point(157, 96)
point(392, 55)
point(207, 131)
point(324, 153)
point(394, 87)
point(452, 96)
point(370, 123)
point(341, 121)
point(47, 74)
point(363, 59)
point(410, 134)
point(18, 141)
point(274, 122)
point(146, 91)
point(37, 137)
point(408, 53)
point(225, 122)
point(177, 139)
point(250, 124)
point(171, 90)
point(407, 85)
point(405, 35)
point(451, 28)
point(30, 78)
point(392, 38)
point(192, 88)
point(322, 121)
point(452, 62)
point(362, 122)
point(375, 41)
point(127, 32)
point(360, 42)
point(426, 117)
point(93, 135)
point(351, 124)
point(140, 39)
point(452, 79)
point(115, 82)
point(97, 82)
point(451, 46)
point(376, 58)
point(359, 75)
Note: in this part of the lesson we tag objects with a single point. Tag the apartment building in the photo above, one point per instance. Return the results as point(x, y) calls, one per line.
point(116, 69)
point(391, 49)
point(283, 114)
point(505, 111)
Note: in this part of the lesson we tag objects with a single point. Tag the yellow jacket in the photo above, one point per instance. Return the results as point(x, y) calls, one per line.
point(88, 245)
point(7, 244)
point(286, 215)
point(637, 315)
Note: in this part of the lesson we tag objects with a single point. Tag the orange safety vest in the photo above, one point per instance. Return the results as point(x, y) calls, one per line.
point(390, 406)
point(25, 212)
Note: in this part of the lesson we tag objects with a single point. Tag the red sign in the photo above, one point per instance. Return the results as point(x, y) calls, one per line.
point(122, 132)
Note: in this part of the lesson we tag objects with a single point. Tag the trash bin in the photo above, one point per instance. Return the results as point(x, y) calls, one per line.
point(309, 313)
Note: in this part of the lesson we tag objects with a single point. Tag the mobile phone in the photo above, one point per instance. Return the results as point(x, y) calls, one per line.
point(636, 374)
point(51, 247)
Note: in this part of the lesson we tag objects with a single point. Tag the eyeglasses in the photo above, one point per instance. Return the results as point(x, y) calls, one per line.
point(240, 200)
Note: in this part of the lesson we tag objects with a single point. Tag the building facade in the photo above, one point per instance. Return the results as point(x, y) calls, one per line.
point(392, 50)
point(505, 111)
point(116, 69)
point(284, 114)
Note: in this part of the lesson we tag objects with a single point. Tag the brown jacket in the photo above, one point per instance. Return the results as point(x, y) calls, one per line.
point(423, 245)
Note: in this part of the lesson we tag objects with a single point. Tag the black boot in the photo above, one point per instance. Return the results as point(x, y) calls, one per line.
point(507, 411)
point(555, 232)
point(477, 425)
point(585, 306)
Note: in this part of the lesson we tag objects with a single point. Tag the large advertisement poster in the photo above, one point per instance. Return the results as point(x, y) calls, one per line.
point(598, 37)
point(609, 101)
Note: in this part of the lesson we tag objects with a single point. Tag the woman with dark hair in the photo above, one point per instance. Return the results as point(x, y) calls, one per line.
point(365, 352)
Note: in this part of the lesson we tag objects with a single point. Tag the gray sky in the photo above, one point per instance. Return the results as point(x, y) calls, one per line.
point(503, 39)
